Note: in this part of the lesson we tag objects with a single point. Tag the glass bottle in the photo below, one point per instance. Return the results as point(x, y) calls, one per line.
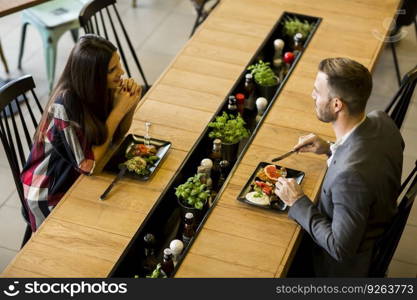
point(277, 62)
point(150, 261)
point(167, 265)
point(224, 166)
point(249, 89)
point(298, 43)
point(189, 230)
point(232, 106)
point(216, 157)
point(240, 101)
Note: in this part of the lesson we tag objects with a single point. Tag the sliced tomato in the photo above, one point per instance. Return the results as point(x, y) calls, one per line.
point(267, 190)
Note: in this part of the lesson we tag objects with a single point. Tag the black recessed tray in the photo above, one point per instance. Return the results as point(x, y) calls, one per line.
point(119, 157)
point(278, 205)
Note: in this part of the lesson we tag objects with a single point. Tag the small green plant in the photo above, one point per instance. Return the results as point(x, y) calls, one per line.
point(293, 26)
point(228, 128)
point(193, 193)
point(157, 273)
point(263, 74)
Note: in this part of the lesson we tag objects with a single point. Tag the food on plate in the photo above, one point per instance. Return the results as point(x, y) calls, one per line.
point(266, 187)
point(258, 198)
point(140, 150)
point(140, 158)
point(271, 174)
point(262, 188)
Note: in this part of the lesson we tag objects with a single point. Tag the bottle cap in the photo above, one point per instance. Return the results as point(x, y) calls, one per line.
point(167, 252)
point(189, 216)
point(298, 36)
point(248, 76)
point(224, 164)
point(149, 238)
point(217, 141)
point(261, 101)
point(279, 44)
point(240, 97)
point(207, 162)
point(176, 246)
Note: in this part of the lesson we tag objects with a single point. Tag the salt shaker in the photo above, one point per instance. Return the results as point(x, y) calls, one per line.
point(176, 247)
point(261, 104)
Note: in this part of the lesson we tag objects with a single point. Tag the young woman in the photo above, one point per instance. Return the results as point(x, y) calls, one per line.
point(88, 105)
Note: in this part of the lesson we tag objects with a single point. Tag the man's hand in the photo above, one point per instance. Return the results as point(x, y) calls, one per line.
point(288, 190)
point(312, 143)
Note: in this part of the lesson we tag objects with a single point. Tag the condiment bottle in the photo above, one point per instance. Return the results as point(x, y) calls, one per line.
point(189, 230)
point(176, 247)
point(261, 104)
point(224, 165)
point(277, 63)
point(216, 157)
point(167, 265)
point(249, 92)
point(231, 106)
point(298, 45)
point(240, 101)
point(150, 261)
point(205, 176)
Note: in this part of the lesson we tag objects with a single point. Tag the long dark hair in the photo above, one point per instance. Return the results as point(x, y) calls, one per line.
point(83, 88)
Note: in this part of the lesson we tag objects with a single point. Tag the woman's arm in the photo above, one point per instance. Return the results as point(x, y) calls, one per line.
point(123, 107)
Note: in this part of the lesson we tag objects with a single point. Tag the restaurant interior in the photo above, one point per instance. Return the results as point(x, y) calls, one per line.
point(190, 57)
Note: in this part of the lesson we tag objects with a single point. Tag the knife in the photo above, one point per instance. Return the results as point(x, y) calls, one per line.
point(284, 156)
point(115, 180)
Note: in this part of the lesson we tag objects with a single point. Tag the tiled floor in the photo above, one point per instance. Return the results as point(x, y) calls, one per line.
point(159, 29)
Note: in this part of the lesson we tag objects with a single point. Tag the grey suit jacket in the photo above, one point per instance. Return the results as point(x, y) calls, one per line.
point(357, 200)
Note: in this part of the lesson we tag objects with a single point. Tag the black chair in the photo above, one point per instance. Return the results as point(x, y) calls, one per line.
point(397, 108)
point(407, 15)
point(17, 128)
point(385, 246)
point(96, 17)
point(202, 11)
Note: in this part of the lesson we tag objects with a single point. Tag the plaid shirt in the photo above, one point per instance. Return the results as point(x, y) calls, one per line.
point(54, 164)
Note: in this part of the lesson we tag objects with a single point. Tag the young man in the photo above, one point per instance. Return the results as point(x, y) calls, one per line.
point(359, 192)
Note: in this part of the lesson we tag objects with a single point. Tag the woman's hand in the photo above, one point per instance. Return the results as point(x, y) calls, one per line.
point(127, 96)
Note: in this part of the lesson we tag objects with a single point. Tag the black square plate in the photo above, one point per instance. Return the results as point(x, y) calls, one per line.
point(119, 157)
point(275, 205)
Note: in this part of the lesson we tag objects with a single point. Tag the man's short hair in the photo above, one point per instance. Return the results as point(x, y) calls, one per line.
point(348, 80)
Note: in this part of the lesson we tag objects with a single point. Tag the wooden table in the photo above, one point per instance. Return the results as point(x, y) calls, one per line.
point(8, 7)
point(84, 237)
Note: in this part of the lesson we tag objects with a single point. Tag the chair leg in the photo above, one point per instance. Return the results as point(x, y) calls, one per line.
point(196, 23)
point(74, 34)
point(397, 68)
point(3, 60)
point(22, 45)
point(415, 25)
point(50, 58)
point(26, 237)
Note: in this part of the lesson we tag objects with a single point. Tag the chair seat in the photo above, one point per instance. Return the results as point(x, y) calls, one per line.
point(55, 13)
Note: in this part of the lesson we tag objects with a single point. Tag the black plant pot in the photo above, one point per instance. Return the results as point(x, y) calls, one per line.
point(230, 152)
point(267, 91)
point(198, 213)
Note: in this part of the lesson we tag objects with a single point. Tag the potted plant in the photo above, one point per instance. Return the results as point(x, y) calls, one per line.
point(265, 79)
point(230, 130)
point(293, 25)
point(192, 196)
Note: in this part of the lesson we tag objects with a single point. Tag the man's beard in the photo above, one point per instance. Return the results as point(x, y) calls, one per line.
point(325, 114)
